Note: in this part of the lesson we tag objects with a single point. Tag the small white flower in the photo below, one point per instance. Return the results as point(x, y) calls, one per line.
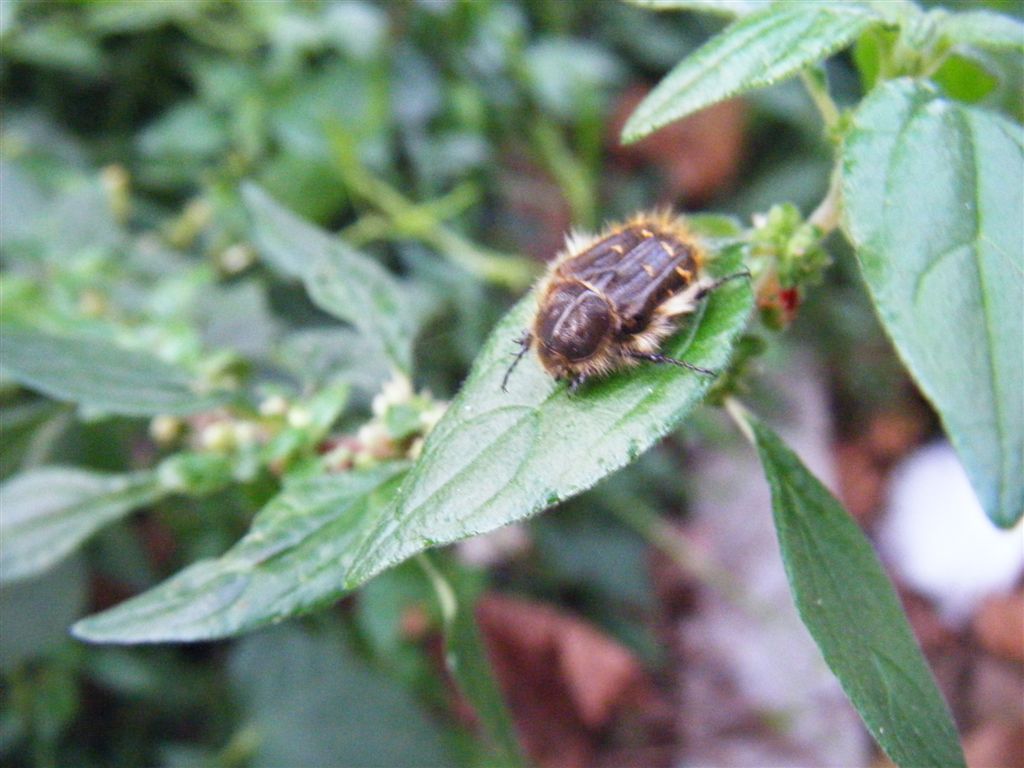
point(415, 448)
point(374, 439)
point(299, 417)
point(218, 436)
point(245, 432)
point(432, 415)
point(170, 477)
point(236, 258)
point(274, 406)
point(165, 429)
point(395, 391)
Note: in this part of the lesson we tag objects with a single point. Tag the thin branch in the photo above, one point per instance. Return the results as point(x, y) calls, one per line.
point(826, 216)
point(738, 413)
point(445, 594)
point(815, 80)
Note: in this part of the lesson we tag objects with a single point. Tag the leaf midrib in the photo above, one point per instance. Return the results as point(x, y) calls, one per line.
point(986, 306)
point(898, 148)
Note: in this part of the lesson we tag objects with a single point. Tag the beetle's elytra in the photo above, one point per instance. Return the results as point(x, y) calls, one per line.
point(607, 302)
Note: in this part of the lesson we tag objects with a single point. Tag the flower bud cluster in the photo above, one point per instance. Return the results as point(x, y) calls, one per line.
point(401, 421)
point(283, 435)
point(786, 256)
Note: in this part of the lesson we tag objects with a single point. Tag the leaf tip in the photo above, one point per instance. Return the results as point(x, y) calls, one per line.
point(88, 630)
point(630, 133)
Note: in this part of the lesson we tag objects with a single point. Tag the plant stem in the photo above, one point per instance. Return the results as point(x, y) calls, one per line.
point(512, 272)
point(570, 174)
point(826, 216)
point(446, 599)
point(467, 661)
point(366, 229)
point(687, 558)
point(738, 413)
point(240, 749)
point(398, 217)
point(815, 80)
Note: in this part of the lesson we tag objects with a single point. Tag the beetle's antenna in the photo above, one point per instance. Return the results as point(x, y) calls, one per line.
point(576, 383)
point(719, 282)
point(656, 358)
point(524, 342)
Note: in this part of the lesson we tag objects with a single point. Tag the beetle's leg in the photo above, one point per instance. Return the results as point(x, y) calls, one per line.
point(657, 358)
point(688, 300)
point(575, 383)
point(719, 282)
point(524, 342)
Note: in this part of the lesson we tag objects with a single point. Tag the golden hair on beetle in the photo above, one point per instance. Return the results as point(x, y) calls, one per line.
point(608, 301)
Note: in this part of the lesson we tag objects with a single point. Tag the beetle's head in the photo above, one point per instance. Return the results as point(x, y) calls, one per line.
point(574, 325)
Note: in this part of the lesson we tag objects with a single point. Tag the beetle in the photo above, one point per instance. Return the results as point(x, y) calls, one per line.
point(608, 301)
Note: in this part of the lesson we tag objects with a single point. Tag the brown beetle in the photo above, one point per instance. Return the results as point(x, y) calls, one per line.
point(609, 301)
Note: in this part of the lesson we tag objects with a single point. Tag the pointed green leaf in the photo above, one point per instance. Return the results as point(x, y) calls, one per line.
point(852, 611)
point(497, 457)
point(293, 559)
point(983, 29)
point(754, 52)
point(470, 665)
point(99, 374)
point(30, 633)
point(964, 79)
point(934, 200)
point(339, 279)
point(46, 513)
point(468, 662)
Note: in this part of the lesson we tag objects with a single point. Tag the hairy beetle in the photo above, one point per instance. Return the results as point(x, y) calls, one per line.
point(607, 302)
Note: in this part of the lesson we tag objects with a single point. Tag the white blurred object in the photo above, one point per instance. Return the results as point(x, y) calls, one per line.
point(495, 548)
point(936, 537)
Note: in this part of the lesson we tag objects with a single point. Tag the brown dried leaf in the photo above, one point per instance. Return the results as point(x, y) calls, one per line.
point(563, 679)
point(699, 155)
point(999, 626)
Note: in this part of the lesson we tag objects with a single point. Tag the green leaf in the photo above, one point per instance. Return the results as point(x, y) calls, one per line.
point(196, 473)
point(753, 52)
point(984, 29)
point(872, 48)
point(470, 666)
point(965, 79)
point(58, 44)
point(293, 559)
point(310, 701)
point(99, 374)
point(29, 632)
point(324, 408)
point(852, 612)
point(494, 458)
point(718, 7)
point(48, 512)
point(339, 279)
point(498, 457)
point(317, 356)
point(933, 204)
point(27, 431)
point(566, 74)
point(467, 660)
point(185, 133)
